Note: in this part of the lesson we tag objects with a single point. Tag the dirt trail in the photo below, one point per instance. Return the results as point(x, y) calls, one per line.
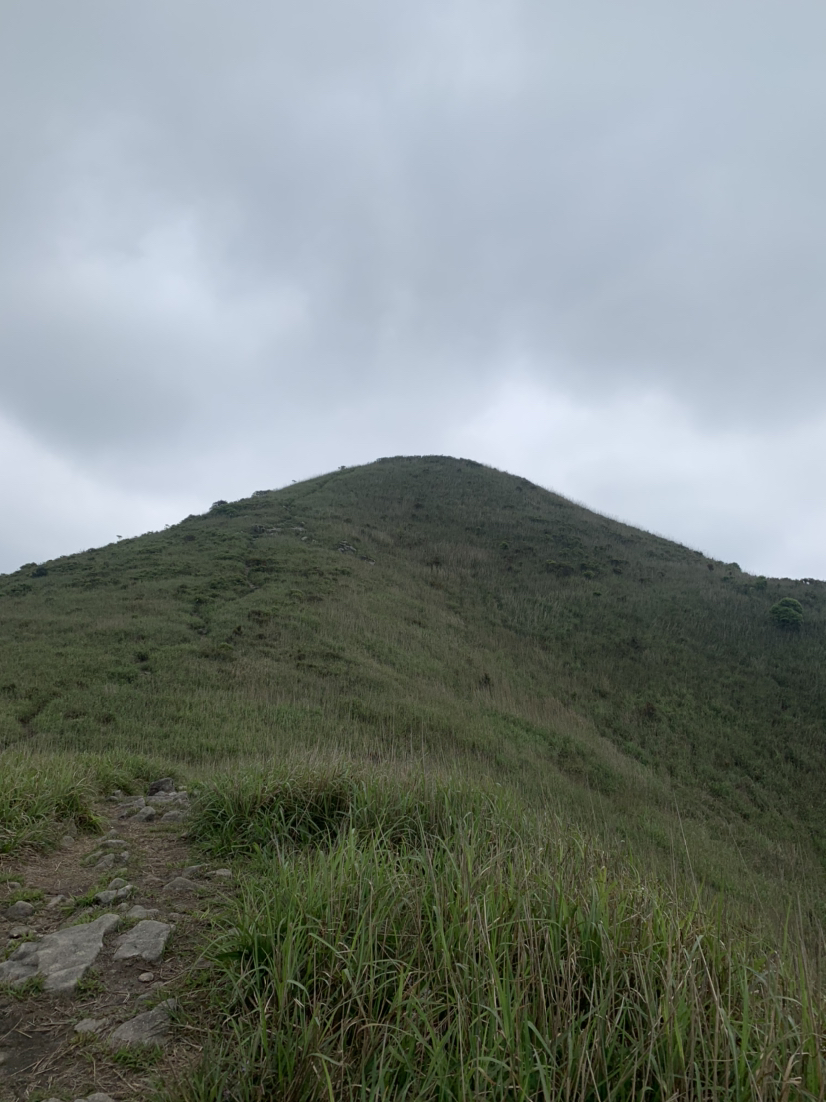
point(41, 1053)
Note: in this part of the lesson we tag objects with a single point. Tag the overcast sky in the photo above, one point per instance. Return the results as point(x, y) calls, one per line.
point(246, 242)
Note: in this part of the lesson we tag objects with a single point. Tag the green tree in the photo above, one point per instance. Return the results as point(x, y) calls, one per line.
point(788, 613)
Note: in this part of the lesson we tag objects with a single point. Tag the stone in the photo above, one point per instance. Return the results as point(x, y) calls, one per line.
point(149, 1028)
point(118, 882)
point(133, 801)
point(114, 895)
point(13, 885)
point(67, 842)
point(165, 784)
point(145, 815)
point(220, 874)
point(106, 862)
point(179, 885)
point(21, 931)
point(146, 977)
point(145, 941)
point(114, 843)
point(61, 958)
point(20, 909)
point(128, 807)
point(137, 911)
point(193, 870)
point(98, 1096)
point(169, 798)
point(174, 817)
point(55, 901)
point(91, 1025)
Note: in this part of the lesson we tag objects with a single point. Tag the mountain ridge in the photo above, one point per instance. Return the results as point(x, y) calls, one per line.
point(433, 607)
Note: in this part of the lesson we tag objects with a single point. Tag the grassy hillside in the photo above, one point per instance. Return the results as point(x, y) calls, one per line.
point(436, 610)
point(523, 802)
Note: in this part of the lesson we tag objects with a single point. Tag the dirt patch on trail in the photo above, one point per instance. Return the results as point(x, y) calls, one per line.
point(42, 1055)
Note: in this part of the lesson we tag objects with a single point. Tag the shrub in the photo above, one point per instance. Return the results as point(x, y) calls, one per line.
point(788, 612)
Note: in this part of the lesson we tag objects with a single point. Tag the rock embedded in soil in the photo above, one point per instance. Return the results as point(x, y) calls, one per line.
point(114, 895)
point(145, 815)
point(21, 931)
point(106, 862)
point(146, 977)
point(149, 1028)
point(91, 1025)
point(193, 870)
point(165, 784)
point(14, 885)
point(20, 909)
point(55, 901)
point(141, 912)
point(179, 886)
point(220, 874)
point(118, 882)
point(145, 941)
point(174, 817)
point(61, 958)
point(114, 843)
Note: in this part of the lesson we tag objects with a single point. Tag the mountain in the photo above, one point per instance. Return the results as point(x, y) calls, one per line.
point(432, 609)
point(518, 802)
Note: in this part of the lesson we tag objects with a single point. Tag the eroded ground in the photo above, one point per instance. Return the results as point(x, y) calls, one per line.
point(42, 1055)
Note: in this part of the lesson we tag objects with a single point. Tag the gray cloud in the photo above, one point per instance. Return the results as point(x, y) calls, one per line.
point(240, 240)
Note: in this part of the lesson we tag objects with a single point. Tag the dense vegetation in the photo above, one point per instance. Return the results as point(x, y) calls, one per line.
point(488, 750)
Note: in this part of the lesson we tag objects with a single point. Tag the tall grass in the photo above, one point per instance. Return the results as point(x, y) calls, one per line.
point(430, 949)
point(44, 795)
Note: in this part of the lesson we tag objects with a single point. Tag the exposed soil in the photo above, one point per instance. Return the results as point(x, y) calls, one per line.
point(41, 1055)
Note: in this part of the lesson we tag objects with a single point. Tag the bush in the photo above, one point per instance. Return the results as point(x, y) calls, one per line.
point(788, 613)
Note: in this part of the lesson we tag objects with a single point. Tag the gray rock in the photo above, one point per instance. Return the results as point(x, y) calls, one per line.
point(13, 885)
point(91, 1025)
point(179, 886)
point(146, 941)
point(146, 977)
point(193, 870)
point(61, 958)
point(114, 843)
point(145, 815)
point(220, 874)
point(106, 862)
point(174, 817)
point(20, 909)
point(169, 798)
point(55, 901)
point(67, 842)
point(98, 1096)
point(149, 1028)
point(141, 912)
point(118, 882)
point(128, 807)
point(133, 801)
point(165, 784)
point(114, 895)
point(21, 931)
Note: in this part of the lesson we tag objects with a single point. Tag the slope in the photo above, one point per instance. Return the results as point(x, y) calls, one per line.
point(433, 610)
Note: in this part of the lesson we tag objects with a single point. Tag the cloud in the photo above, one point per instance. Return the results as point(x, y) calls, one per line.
point(238, 240)
point(751, 497)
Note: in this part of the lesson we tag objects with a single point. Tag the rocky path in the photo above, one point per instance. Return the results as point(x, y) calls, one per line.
point(101, 939)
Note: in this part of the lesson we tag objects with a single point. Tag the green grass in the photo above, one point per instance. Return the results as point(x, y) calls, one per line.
point(405, 940)
point(42, 795)
point(525, 803)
